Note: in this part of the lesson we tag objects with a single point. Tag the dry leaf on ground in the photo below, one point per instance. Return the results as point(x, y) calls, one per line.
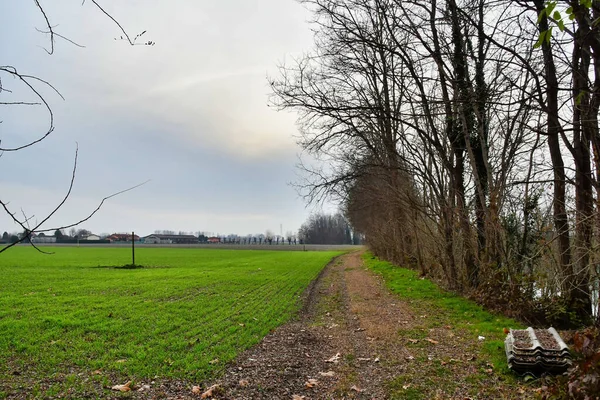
point(311, 383)
point(296, 397)
point(334, 359)
point(356, 389)
point(364, 359)
point(432, 341)
point(209, 392)
point(244, 382)
point(196, 390)
point(123, 388)
point(413, 340)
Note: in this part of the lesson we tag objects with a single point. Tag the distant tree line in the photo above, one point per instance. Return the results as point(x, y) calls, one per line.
point(328, 229)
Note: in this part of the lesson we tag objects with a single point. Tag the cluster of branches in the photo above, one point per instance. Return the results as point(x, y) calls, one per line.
point(456, 144)
point(31, 84)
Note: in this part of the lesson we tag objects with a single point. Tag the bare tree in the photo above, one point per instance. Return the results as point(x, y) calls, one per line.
point(31, 83)
point(440, 127)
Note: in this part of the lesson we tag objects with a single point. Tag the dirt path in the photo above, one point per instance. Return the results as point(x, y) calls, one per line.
point(341, 332)
point(346, 345)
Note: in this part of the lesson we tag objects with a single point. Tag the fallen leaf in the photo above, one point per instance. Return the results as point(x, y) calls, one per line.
point(410, 358)
point(506, 331)
point(481, 338)
point(215, 361)
point(489, 370)
point(122, 388)
point(432, 341)
point(209, 392)
point(121, 361)
point(406, 386)
point(311, 383)
point(296, 397)
point(413, 340)
point(356, 389)
point(328, 373)
point(448, 327)
point(196, 390)
point(244, 382)
point(334, 359)
point(364, 359)
point(376, 359)
point(98, 372)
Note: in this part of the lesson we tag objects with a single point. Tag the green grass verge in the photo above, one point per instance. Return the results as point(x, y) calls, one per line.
point(184, 315)
point(441, 308)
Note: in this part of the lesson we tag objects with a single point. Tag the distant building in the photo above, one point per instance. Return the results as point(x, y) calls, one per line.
point(90, 237)
point(213, 239)
point(122, 237)
point(170, 239)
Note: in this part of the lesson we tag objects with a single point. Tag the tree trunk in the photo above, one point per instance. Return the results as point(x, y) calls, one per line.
point(561, 222)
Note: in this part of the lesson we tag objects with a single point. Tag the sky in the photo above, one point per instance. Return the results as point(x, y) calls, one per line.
point(190, 114)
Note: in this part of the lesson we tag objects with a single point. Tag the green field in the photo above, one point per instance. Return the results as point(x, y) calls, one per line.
point(184, 315)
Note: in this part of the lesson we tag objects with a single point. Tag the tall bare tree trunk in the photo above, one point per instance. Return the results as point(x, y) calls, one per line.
point(561, 222)
point(583, 132)
point(462, 127)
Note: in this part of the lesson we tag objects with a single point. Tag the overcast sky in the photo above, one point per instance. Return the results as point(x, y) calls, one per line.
point(189, 113)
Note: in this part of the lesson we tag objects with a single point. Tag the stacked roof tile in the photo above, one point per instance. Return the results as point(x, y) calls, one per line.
point(537, 351)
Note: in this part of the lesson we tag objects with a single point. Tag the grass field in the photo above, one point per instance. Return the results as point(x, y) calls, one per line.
point(184, 315)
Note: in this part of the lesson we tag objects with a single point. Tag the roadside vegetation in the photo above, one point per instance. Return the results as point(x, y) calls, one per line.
point(73, 321)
